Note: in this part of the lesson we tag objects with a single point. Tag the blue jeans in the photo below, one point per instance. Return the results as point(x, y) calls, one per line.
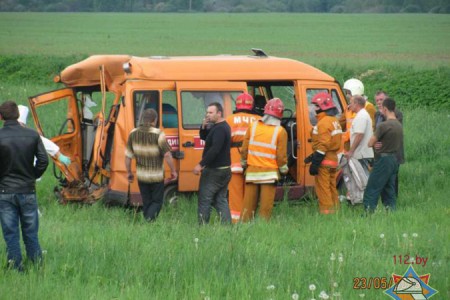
point(213, 192)
point(15, 208)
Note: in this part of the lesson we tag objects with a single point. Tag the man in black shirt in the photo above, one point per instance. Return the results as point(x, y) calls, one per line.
point(215, 168)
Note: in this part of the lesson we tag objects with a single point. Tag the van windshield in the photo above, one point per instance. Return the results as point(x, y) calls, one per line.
point(194, 104)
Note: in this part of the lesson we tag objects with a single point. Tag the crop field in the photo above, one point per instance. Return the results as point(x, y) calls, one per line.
point(94, 252)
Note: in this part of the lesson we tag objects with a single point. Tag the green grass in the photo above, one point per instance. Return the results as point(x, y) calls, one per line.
point(421, 40)
point(93, 252)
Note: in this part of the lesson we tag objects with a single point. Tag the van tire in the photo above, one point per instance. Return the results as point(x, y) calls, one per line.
point(171, 194)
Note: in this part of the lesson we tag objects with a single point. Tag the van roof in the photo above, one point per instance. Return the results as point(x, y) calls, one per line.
point(205, 68)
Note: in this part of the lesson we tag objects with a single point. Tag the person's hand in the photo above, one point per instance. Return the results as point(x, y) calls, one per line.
point(64, 159)
point(315, 163)
point(378, 145)
point(173, 177)
point(205, 122)
point(349, 154)
point(197, 169)
point(130, 177)
point(313, 169)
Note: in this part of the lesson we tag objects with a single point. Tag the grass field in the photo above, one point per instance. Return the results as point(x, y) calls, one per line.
point(92, 252)
point(419, 40)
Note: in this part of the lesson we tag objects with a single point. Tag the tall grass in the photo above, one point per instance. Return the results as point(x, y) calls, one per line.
point(93, 252)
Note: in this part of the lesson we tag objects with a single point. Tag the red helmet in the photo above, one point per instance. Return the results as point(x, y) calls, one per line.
point(244, 101)
point(274, 107)
point(323, 101)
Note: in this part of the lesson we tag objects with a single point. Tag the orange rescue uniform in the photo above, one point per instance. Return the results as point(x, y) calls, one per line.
point(264, 152)
point(326, 139)
point(239, 122)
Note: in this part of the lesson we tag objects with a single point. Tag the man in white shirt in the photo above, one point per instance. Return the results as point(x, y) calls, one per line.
point(360, 133)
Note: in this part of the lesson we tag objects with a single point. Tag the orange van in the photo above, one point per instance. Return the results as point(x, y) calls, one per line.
point(104, 97)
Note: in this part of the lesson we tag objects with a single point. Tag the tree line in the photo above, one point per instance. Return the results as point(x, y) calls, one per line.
point(234, 6)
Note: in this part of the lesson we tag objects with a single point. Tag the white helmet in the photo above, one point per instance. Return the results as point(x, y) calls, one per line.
point(355, 86)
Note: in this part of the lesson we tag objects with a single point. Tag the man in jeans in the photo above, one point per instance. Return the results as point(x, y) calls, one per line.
point(18, 203)
point(382, 178)
point(148, 145)
point(215, 167)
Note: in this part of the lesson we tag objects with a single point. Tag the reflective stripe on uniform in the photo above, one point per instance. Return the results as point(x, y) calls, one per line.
point(236, 168)
point(262, 154)
point(329, 163)
point(268, 176)
point(337, 131)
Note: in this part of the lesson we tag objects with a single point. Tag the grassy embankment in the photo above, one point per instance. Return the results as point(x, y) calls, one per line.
point(98, 253)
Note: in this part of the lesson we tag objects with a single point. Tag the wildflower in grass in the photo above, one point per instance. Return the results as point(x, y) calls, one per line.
point(382, 236)
point(270, 287)
point(336, 295)
point(415, 235)
point(295, 296)
point(324, 295)
point(361, 295)
point(293, 252)
point(332, 257)
point(405, 235)
point(335, 284)
point(312, 288)
point(196, 243)
point(341, 258)
point(44, 252)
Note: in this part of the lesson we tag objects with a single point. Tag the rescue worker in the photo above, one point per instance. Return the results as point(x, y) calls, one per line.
point(354, 87)
point(239, 122)
point(326, 141)
point(264, 156)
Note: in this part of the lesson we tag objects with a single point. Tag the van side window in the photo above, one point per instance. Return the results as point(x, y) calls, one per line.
point(263, 91)
point(169, 109)
point(337, 101)
point(196, 102)
point(309, 95)
point(143, 100)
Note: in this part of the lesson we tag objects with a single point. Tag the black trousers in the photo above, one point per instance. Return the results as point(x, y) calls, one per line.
point(152, 198)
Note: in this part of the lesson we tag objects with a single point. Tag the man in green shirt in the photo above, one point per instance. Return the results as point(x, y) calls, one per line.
point(382, 178)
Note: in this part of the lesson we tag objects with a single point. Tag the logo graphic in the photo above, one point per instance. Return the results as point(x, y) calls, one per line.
point(410, 286)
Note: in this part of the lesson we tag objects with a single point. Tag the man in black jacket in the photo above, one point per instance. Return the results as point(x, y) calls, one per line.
point(18, 203)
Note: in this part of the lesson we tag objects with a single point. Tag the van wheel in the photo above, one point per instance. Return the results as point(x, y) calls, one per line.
point(171, 194)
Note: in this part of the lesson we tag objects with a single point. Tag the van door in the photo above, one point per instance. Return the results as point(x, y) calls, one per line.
point(193, 99)
point(57, 118)
point(308, 90)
